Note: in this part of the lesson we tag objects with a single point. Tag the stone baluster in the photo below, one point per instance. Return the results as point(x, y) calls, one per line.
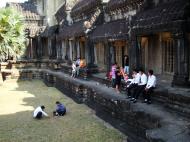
point(181, 69)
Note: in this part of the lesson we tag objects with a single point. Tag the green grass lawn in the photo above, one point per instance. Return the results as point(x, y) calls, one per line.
point(17, 102)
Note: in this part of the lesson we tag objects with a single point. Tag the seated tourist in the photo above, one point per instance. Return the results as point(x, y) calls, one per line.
point(39, 112)
point(73, 70)
point(77, 66)
point(134, 83)
point(151, 84)
point(60, 109)
point(141, 86)
point(82, 63)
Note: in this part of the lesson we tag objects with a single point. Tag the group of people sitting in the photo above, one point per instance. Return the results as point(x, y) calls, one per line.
point(76, 66)
point(139, 84)
point(40, 113)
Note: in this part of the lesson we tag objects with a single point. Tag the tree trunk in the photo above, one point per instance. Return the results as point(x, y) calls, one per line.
point(1, 79)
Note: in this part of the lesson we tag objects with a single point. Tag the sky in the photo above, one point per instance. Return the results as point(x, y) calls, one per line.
point(3, 2)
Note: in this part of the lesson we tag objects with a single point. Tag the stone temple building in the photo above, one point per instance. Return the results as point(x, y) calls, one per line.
point(155, 34)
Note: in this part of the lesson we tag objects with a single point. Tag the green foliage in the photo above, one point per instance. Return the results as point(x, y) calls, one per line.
point(12, 35)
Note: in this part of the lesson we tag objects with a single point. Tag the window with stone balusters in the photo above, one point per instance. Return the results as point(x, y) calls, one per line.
point(168, 55)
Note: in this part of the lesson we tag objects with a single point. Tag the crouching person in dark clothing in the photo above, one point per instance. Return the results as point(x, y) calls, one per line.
point(39, 112)
point(60, 109)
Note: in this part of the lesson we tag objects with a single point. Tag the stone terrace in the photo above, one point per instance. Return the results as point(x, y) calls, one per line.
point(139, 121)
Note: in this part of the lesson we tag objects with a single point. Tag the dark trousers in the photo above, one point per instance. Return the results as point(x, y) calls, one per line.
point(39, 115)
point(132, 86)
point(59, 113)
point(138, 90)
point(147, 93)
point(113, 83)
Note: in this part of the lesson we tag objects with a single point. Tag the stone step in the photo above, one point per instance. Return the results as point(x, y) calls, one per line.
point(145, 121)
point(174, 99)
point(141, 122)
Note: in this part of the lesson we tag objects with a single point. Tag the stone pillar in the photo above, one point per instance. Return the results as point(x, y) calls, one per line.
point(112, 53)
point(39, 47)
point(181, 67)
point(49, 48)
point(31, 48)
point(88, 52)
point(67, 49)
point(63, 49)
point(78, 48)
point(91, 53)
point(134, 55)
point(107, 46)
point(54, 46)
point(75, 49)
point(90, 59)
point(45, 47)
point(70, 50)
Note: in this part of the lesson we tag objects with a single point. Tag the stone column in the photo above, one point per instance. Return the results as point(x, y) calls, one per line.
point(134, 55)
point(70, 49)
point(112, 53)
point(181, 67)
point(63, 49)
point(90, 59)
point(107, 46)
point(78, 48)
point(39, 49)
point(31, 48)
point(45, 46)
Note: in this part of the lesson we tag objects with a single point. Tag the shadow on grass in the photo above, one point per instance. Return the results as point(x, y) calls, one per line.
point(18, 100)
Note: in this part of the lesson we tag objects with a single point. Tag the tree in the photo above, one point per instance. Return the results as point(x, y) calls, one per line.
point(12, 35)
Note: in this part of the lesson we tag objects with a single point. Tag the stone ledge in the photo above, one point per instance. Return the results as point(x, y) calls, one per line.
point(148, 123)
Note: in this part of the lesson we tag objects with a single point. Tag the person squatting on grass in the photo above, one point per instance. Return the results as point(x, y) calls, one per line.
point(39, 112)
point(60, 109)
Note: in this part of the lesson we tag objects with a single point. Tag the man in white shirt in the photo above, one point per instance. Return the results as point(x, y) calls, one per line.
point(134, 83)
point(73, 70)
point(39, 112)
point(141, 86)
point(151, 84)
point(78, 66)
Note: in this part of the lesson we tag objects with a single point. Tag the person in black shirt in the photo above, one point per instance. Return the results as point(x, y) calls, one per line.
point(118, 79)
